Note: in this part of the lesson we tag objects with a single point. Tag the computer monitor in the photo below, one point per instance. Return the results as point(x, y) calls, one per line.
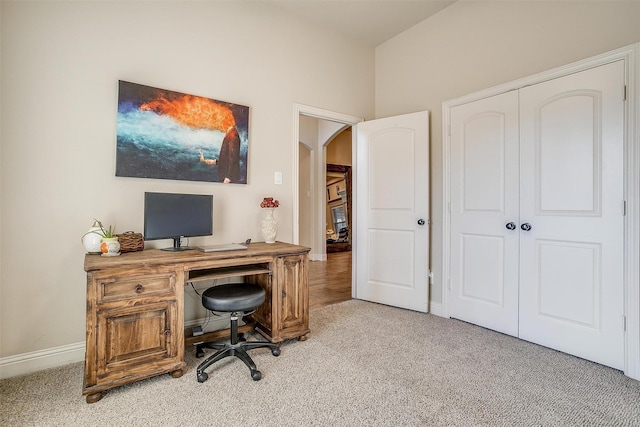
point(173, 216)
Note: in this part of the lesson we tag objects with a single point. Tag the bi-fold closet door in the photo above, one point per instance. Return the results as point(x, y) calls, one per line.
point(536, 215)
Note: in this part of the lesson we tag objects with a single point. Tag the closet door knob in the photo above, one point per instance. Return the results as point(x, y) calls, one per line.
point(511, 226)
point(526, 226)
point(421, 221)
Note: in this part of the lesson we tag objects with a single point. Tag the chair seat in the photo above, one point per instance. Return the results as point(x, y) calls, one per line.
point(233, 297)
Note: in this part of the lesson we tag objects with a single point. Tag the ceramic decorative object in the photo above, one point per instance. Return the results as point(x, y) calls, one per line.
point(269, 222)
point(110, 246)
point(269, 226)
point(92, 239)
point(101, 240)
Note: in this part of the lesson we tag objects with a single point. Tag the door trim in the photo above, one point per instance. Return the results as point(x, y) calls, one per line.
point(631, 57)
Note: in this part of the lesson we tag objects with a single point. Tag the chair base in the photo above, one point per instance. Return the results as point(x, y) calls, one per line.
point(237, 347)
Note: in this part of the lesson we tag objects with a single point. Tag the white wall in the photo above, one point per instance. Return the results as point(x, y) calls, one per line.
point(473, 45)
point(308, 136)
point(305, 196)
point(60, 65)
point(339, 150)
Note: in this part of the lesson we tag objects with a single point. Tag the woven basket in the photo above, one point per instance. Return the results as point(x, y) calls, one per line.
point(130, 241)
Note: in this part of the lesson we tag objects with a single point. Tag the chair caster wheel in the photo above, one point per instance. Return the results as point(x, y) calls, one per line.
point(199, 353)
point(275, 351)
point(256, 375)
point(202, 377)
point(241, 337)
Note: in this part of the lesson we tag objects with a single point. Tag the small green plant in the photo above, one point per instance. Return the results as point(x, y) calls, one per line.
point(106, 233)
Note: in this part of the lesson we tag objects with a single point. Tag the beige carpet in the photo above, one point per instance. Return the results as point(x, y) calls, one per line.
point(364, 365)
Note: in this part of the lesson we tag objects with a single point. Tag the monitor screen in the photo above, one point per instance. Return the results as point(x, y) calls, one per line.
point(172, 216)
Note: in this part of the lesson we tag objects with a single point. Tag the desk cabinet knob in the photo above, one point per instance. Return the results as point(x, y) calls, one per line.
point(139, 288)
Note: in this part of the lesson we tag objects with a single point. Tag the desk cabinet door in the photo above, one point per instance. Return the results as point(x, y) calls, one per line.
point(133, 339)
point(293, 294)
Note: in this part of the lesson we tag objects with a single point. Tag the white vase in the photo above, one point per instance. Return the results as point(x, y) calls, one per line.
point(269, 227)
point(91, 240)
point(110, 246)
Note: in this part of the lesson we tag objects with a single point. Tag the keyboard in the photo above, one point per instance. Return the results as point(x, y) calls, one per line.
point(220, 248)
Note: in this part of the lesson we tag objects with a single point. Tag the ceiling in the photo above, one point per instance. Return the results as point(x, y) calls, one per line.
point(371, 22)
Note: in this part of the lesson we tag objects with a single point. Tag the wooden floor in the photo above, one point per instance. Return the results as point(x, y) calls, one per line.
point(330, 280)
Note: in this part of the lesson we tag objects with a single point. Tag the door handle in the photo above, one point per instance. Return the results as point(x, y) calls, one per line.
point(526, 226)
point(511, 226)
point(421, 221)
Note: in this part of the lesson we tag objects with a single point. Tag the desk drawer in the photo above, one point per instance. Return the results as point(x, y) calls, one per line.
point(153, 284)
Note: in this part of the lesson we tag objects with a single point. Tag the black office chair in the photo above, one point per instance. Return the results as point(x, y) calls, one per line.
point(237, 299)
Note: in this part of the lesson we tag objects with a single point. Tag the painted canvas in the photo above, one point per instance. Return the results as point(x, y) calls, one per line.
point(171, 135)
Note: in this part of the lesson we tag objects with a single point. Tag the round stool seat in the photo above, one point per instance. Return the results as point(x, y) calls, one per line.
point(233, 297)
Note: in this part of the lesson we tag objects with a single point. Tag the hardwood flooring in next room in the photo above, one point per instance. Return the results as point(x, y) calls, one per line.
point(330, 280)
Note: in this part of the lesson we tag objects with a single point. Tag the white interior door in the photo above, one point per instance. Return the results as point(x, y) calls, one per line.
point(484, 213)
point(571, 270)
point(392, 207)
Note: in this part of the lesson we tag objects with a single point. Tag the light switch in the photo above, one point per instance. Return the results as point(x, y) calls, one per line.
point(277, 177)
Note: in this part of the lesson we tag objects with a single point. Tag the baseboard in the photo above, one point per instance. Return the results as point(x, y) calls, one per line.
point(27, 363)
point(317, 257)
point(435, 308)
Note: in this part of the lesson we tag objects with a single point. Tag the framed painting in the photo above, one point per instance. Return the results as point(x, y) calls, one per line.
point(171, 135)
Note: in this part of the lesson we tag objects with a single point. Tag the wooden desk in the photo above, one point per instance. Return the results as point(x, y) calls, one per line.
point(135, 306)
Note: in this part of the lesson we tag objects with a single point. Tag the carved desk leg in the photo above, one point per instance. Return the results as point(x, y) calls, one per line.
point(177, 373)
point(93, 398)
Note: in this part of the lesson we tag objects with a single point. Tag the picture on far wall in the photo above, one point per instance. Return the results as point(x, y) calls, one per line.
point(171, 135)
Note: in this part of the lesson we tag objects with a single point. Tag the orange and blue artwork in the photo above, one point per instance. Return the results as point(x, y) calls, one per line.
point(171, 135)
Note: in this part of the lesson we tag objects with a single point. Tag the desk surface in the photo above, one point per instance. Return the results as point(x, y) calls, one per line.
point(158, 256)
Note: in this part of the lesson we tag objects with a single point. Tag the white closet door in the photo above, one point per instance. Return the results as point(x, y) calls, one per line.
point(484, 200)
point(571, 164)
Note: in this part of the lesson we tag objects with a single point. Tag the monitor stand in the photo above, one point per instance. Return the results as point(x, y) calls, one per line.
point(176, 246)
